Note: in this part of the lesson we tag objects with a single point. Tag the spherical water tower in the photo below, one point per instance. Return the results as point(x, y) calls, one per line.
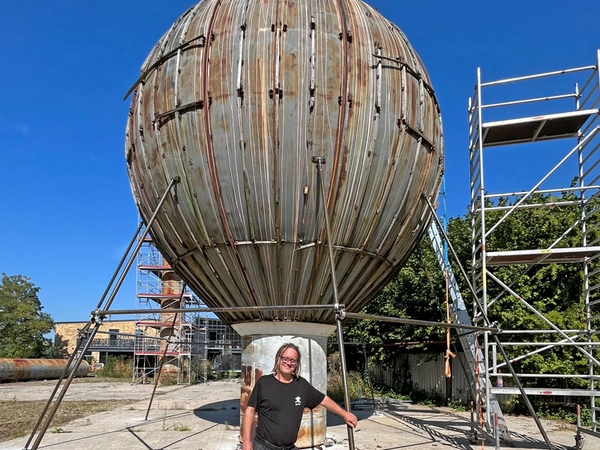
point(236, 99)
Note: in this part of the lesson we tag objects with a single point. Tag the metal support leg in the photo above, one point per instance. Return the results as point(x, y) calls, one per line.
point(339, 312)
point(98, 322)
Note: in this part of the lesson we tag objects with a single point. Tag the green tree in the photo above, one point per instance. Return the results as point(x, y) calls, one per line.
point(417, 292)
point(555, 290)
point(22, 322)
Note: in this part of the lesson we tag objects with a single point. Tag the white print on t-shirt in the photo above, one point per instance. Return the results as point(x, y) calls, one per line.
point(298, 401)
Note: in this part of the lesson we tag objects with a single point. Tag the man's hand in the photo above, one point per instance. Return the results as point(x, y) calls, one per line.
point(332, 406)
point(350, 419)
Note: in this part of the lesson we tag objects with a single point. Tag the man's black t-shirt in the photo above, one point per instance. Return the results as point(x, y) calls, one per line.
point(280, 406)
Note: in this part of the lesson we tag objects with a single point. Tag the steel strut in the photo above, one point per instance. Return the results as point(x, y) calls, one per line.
point(340, 313)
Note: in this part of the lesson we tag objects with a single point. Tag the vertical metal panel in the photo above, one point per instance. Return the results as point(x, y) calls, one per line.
point(426, 372)
point(236, 98)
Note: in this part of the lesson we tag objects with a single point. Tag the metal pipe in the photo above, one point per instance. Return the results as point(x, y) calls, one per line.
point(368, 372)
point(522, 390)
point(540, 75)
point(339, 313)
point(20, 369)
point(86, 327)
point(424, 323)
point(58, 383)
point(160, 367)
point(173, 182)
point(494, 335)
point(541, 316)
point(64, 389)
point(114, 275)
point(98, 323)
point(215, 310)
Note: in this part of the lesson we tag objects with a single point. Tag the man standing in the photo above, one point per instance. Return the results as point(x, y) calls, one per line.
point(280, 399)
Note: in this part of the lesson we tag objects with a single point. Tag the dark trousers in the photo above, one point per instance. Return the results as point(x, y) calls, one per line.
point(260, 444)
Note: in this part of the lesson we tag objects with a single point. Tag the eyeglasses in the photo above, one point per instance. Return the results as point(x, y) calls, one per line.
point(289, 361)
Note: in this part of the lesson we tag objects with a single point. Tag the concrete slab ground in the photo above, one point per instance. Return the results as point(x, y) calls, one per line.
point(206, 417)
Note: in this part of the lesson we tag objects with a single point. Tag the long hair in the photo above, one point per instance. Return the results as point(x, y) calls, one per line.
point(279, 354)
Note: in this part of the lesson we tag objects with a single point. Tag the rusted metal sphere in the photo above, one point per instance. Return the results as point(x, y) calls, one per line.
point(236, 99)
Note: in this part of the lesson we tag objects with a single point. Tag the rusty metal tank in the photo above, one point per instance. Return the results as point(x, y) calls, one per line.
point(236, 99)
point(27, 369)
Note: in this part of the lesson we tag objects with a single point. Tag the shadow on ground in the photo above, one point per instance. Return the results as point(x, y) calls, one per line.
point(226, 412)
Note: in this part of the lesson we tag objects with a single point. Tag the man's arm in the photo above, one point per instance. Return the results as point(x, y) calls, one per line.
point(247, 428)
point(332, 406)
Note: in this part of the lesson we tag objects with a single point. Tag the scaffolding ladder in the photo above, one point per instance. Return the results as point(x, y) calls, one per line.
point(468, 339)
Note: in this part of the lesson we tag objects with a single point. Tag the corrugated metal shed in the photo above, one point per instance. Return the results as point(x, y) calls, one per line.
point(426, 372)
point(236, 98)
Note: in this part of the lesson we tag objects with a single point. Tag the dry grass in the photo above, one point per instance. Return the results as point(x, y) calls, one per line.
point(18, 418)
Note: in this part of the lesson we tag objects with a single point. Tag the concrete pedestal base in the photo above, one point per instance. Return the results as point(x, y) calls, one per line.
point(260, 342)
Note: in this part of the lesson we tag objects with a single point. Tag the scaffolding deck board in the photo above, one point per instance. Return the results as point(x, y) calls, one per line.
point(546, 391)
point(536, 128)
point(154, 268)
point(161, 295)
point(540, 256)
point(150, 323)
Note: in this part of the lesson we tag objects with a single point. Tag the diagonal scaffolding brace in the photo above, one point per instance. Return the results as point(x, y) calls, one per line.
point(96, 320)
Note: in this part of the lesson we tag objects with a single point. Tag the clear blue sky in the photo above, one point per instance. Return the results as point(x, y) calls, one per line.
point(67, 209)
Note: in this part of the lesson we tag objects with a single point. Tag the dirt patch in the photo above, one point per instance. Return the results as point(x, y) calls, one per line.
point(18, 418)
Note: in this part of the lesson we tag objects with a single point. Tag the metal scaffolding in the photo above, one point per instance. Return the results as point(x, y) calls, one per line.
point(162, 340)
point(555, 118)
point(187, 342)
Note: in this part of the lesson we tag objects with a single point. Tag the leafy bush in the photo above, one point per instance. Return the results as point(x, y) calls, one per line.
point(335, 385)
point(429, 398)
point(168, 379)
point(116, 367)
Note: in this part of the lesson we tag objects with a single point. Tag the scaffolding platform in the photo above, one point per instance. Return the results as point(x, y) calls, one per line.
point(546, 391)
point(150, 323)
point(541, 256)
point(161, 295)
point(155, 268)
point(537, 128)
